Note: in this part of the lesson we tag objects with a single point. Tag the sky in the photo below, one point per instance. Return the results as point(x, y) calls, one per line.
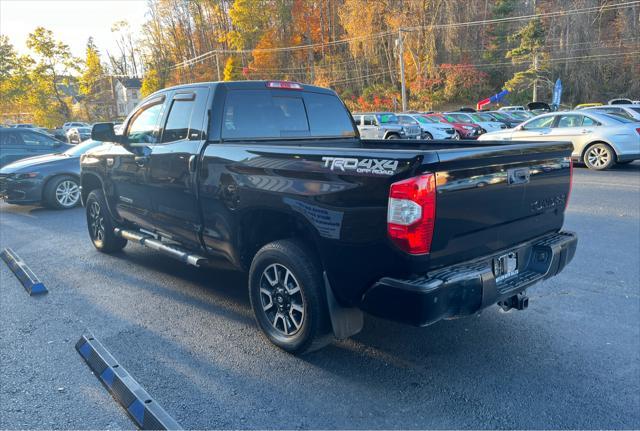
point(72, 21)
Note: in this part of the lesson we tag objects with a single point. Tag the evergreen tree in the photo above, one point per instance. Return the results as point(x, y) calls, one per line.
point(530, 51)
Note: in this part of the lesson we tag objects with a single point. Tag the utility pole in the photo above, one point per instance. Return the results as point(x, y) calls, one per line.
point(218, 66)
point(535, 79)
point(402, 83)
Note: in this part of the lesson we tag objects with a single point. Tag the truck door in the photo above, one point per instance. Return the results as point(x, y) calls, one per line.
point(171, 167)
point(128, 170)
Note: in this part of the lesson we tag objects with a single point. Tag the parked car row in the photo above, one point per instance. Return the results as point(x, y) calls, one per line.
point(600, 140)
point(434, 125)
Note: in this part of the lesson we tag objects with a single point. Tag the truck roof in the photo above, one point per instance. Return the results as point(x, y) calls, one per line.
point(251, 85)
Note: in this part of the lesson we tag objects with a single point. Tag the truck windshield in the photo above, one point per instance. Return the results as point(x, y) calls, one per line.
point(255, 114)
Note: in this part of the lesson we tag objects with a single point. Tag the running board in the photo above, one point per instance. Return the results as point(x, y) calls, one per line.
point(155, 244)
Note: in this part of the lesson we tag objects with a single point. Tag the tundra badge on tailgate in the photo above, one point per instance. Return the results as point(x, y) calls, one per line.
point(364, 166)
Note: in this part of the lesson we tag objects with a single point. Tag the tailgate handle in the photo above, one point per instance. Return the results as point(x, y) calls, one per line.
point(518, 176)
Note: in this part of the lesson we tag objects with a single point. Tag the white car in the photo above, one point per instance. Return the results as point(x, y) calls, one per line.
point(599, 140)
point(486, 121)
point(71, 125)
point(431, 129)
point(630, 111)
point(512, 108)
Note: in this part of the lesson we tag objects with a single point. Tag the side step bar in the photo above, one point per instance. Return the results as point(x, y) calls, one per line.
point(152, 243)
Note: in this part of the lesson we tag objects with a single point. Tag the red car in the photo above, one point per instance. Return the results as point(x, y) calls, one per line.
point(465, 130)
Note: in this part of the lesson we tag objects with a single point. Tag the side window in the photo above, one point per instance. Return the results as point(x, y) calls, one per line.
point(357, 119)
point(588, 121)
point(369, 120)
point(569, 121)
point(143, 128)
point(9, 139)
point(539, 123)
point(177, 127)
point(36, 139)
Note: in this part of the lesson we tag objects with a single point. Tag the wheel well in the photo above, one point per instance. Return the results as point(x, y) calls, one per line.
point(591, 144)
point(386, 136)
point(260, 227)
point(89, 183)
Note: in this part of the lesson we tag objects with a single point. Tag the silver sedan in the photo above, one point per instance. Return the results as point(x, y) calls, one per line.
point(599, 140)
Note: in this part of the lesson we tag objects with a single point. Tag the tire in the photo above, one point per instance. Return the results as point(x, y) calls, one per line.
point(62, 192)
point(100, 224)
point(456, 136)
point(393, 136)
point(599, 157)
point(286, 290)
point(427, 136)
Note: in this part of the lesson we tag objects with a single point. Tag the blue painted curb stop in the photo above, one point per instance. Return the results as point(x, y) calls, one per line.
point(146, 413)
point(29, 280)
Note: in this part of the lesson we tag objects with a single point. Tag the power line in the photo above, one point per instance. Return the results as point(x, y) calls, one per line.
point(213, 52)
point(575, 59)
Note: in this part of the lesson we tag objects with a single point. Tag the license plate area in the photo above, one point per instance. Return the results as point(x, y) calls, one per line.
point(505, 266)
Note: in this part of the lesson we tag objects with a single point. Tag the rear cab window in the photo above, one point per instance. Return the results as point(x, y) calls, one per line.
point(271, 114)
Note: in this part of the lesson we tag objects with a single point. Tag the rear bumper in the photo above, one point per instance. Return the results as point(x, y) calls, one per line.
point(466, 288)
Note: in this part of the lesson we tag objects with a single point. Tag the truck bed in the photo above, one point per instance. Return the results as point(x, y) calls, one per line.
point(478, 207)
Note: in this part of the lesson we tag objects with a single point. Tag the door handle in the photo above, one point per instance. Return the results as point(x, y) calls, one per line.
point(193, 163)
point(585, 131)
point(141, 160)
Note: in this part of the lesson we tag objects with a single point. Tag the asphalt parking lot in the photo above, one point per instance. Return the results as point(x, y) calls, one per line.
point(572, 360)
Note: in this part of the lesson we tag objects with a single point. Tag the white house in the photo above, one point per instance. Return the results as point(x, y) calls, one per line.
point(127, 95)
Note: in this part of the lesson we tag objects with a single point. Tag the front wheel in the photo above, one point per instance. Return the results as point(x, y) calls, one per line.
point(287, 295)
point(427, 136)
point(456, 136)
point(599, 157)
point(100, 224)
point(62, 192)
point(393, 136)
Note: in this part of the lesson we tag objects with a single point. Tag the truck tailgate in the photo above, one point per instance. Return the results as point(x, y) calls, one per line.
point(498, 196)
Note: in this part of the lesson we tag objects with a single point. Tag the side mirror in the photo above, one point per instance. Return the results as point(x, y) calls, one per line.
point(519, 127)
point(104, 132)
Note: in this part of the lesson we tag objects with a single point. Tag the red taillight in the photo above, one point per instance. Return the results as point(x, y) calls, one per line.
point(411, 213)
point(284, 85)
point(638, 130)
point(566, 202)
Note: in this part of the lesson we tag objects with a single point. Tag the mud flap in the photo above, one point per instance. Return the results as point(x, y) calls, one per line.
point(345, 321)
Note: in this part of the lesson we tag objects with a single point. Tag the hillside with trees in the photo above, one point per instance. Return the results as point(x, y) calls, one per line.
point(455, 52)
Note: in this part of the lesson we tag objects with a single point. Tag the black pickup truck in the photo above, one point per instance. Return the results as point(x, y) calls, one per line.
point(272, 178)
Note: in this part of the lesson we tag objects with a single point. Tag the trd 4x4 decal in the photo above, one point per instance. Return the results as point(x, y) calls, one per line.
point(364, 166)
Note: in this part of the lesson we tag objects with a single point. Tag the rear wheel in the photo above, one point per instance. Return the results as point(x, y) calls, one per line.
point(287, 296)
point(62, 192)
point(100, 224)
point(599, 157)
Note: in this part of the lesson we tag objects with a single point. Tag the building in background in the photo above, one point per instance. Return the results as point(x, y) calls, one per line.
point(126, 94)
